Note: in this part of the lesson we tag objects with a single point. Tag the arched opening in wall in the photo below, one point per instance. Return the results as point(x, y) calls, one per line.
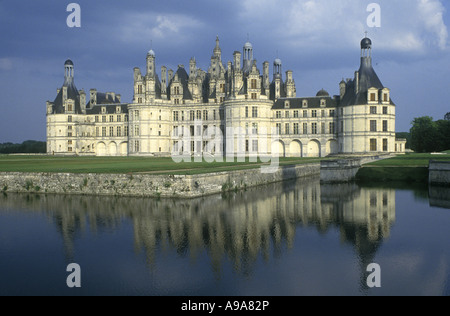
point(332, 147)
point(278, 148)
point(101, 149)
point(112, 149)
point(314, 148)
point(123, 149)
point(295, 149)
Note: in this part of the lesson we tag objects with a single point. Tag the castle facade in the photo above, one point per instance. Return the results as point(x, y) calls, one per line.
point(224, 111)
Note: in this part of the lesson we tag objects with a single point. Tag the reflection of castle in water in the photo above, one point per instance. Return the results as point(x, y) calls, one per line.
point(240, 226)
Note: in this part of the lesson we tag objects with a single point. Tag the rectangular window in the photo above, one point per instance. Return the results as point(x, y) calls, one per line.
point(254, 111)
point(305, 113)
point(385, 110)
point(104, 118)
point(96, 118)
point(373, 97)
point(136, 131)
point(119, 131)
point(295, 114)
point(385, 144)
point(137, 146)
point(111, 131)
point(255, 128)
point(286, 114)
point(373, 126)
point(254, 96)
point(385, 97)
point(205, 115)
point(314, 113)
point(103, 131)
point(278, 114)
point(215, 115)
point(246, 111)
point(255, 145)
point(296, 131)
point(246, 145)
point(126, 118)
point(111, 118)
point(373, 144)
point(332, 113)
point(385, 126)
point(69, 118)
point(305, 128)
point(323, 128)
point(253, 84)
point(314, 128)
point(323, 113)
point(125, 131)
point(331, 127)
point(279, 128)
point(199, 114)
point(373, 110)
point(175, 116)
point(119, 118)
point(286, 128)
point(97, 132)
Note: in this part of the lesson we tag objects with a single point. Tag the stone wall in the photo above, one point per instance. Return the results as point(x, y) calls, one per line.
point(149, 185)
point(343, 170)
point(439, 172)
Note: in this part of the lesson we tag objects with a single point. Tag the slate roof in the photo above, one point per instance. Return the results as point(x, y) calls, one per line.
point(110, 108)
point(313, 102)
point(72, 93)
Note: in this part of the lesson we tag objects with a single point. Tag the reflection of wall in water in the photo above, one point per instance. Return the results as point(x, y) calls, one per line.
point(240, 226)
point(439, 196)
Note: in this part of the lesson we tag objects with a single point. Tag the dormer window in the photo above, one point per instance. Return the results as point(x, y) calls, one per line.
point(323, 103)
point(103, 110)
point(305, 103)
point(287, 104)
point(118, 109)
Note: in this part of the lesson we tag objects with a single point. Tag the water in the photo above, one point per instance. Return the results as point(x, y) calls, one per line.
point(296, 238)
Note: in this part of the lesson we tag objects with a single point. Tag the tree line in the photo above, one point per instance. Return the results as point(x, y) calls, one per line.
point(27, 147)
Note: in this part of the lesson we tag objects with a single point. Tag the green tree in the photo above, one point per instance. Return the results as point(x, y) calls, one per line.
point(423, 134)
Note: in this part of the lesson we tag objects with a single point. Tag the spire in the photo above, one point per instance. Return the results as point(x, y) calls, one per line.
point(68, 72)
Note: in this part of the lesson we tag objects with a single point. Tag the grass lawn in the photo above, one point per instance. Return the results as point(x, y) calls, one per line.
point(411, 167)
point(409, 160)
point(52, 164)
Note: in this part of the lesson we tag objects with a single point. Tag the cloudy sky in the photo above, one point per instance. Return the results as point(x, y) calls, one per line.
point(318, 40)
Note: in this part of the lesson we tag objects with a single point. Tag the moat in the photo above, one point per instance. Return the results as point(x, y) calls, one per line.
point(289, 238)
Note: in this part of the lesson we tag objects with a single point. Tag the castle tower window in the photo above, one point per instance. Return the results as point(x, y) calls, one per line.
point(254, 111)
point(385, 126)
point(385, 110)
